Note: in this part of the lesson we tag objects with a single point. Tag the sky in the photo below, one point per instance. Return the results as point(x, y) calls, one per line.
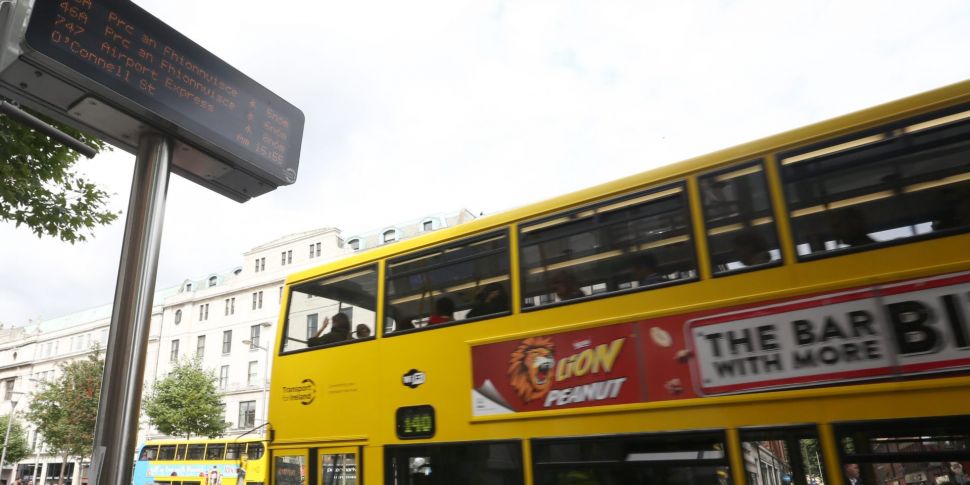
point(419, 108)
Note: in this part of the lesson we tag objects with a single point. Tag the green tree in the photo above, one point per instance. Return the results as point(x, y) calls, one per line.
point(17, 448)
point(65, 410)
point(40, 189)
point(186, 403)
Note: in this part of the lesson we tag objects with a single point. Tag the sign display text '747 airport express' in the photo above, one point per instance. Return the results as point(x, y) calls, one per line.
point(111, 68)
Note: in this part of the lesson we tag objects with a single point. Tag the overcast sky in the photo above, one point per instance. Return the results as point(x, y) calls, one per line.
point(416, 108)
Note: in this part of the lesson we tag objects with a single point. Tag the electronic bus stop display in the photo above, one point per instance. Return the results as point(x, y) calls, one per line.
point(121, 56)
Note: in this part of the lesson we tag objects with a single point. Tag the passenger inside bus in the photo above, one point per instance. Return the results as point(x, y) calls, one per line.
point(750, 248)
point(492, 299)
point(565, 287)
point(849, 227)
point(362, 331)
point(444, 311)
point(645, 270)
point(339, 333)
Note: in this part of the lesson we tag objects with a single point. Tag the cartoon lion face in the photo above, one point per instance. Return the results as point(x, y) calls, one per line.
point(530, 368)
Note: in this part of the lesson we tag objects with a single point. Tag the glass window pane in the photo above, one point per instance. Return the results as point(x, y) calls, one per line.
point(290, 470)
point(234, 450)
point(900, 181)
point(782, 457)
point(215, 451)
point(347, 303)
point(633, 241)
point(655, 459)
point(255, 451)
point(738, 218)
point(195, 452)
point(440, 464)
point(339, 469)
point(468, 279)
point(166, 452)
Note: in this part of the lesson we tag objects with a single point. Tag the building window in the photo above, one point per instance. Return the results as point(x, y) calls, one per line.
point(178, 317)
point(251, 376)
point(212, 281)
point(260, 303)
point(232, 306)
point(260, 264)
point(247, 414)
point(289, 257)
point(311, 325)
point(254, 336)
point(256, 269)
point(318, 249)
point(203, 312)
point(173, 355)
point(226, 341)
point(224, 377)
point(8, 389)
point(227, 307)
point(354, 244)
point(280, 298)
point(200, 346)
point(427, 226)
point(283, 258)
point(311, 250)
point(389, 236)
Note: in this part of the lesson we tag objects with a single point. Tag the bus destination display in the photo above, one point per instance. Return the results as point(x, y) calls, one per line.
point(125, 49)
point(414, 422)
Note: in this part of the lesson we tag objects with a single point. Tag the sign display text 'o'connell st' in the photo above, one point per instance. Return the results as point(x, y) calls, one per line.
point(110, 67)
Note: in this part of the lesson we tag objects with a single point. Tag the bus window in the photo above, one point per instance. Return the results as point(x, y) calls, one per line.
point(339, 469)
point(290, 470)
point(782, 456)
point(180, 452)
point(195, 452)
point(340, 307)
point(667, 459)
point(215, 451)
point(934, 451)
point(255, 451)
point(901, 181)
point(488, 462)
point(458, 281)
point(148, 453)
point(166, 452)
point(634, 241)
point(234, 450)
point(738, 220)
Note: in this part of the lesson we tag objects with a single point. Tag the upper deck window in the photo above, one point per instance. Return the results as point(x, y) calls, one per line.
point(345, 302)
point(453, 282)
point(738, 220)
point(896, 182)
point(637, 240)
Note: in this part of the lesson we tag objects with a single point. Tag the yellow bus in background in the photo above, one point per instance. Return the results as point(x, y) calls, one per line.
point(227, 461)
point(794, 310)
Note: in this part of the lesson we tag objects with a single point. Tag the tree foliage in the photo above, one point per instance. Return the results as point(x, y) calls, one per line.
point(39, 189)
point(65, 410)
point(17, 446)
point(187, 403)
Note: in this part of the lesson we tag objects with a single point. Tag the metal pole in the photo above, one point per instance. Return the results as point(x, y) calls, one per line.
point(6, 437)
point(265, 382)
point(117, 426)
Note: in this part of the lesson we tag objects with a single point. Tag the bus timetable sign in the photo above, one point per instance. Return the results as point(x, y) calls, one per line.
point(111, 67)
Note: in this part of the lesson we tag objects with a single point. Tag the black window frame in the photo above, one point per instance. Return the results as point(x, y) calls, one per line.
point(684, 195)
point(389, 455)
point(886, 128)
point(772, 209)
point(438, 248)
point(375, 266)
point(712, 436)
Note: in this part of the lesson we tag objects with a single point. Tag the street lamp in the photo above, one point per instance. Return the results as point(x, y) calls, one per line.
point(6, 437)
point(253, 345)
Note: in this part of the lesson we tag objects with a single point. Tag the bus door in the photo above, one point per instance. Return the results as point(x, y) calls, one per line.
point(290, 466)
point(338, 466)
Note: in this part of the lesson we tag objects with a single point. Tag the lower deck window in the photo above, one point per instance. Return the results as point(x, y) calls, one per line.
point(782, 457)
point(445, 464)
point(663, 459)
point(932, 451)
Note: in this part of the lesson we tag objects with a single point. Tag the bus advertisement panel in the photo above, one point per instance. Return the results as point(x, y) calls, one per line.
point(902, 329)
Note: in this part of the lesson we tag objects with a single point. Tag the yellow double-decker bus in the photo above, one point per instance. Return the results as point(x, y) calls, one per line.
point(225, 461)
point(794, 310)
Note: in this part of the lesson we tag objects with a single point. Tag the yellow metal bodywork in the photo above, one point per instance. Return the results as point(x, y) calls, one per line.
point(358, 387)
